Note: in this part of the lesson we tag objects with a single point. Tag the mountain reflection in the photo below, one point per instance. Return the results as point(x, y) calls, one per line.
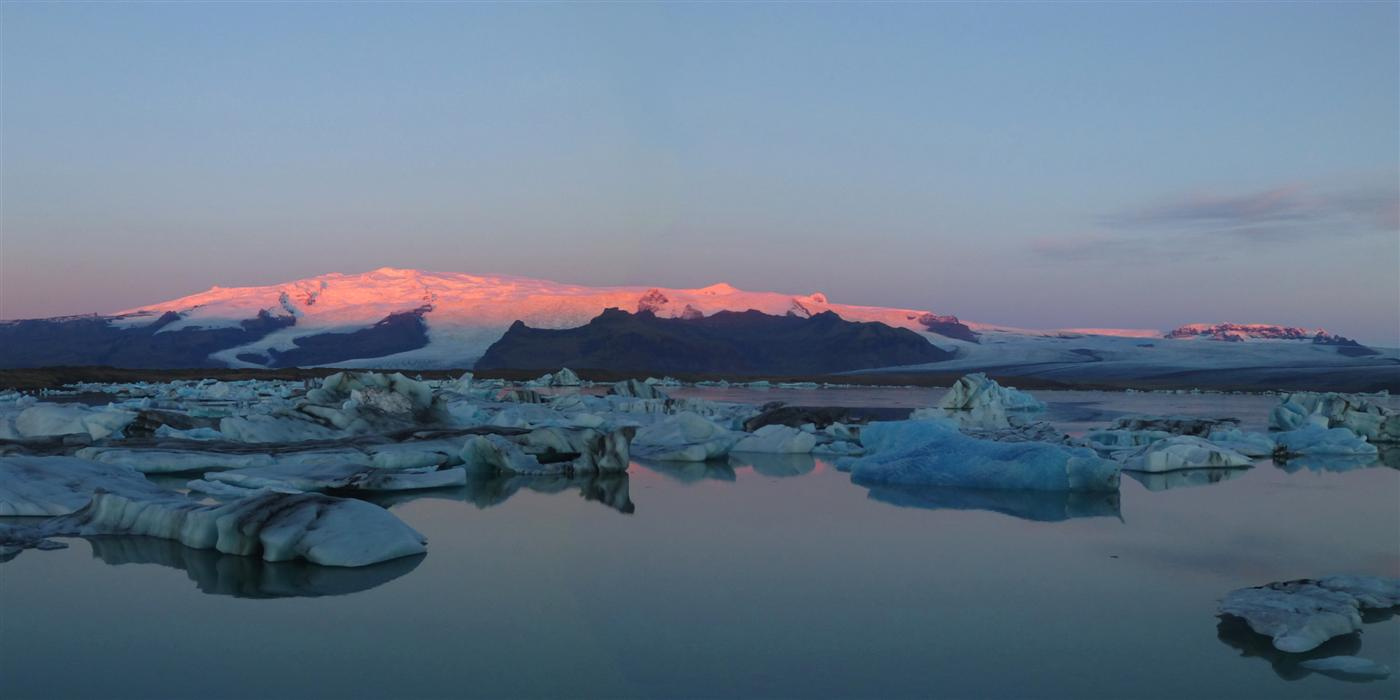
point(215, 573)
point(1039, 506)
point(1236, 633)
point(1184, 478)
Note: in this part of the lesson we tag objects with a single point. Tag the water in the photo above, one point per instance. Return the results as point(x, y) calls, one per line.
point(775, 577)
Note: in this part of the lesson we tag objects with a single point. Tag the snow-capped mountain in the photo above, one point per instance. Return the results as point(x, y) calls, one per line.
point(413, 319)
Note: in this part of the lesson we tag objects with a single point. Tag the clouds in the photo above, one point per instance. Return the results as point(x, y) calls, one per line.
point(1277, 215)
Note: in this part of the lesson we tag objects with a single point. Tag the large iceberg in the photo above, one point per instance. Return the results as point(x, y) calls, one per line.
point(274, 526)
point(934, 453)
point(548, 451)
point(45, 420)
point(1317, 440)
point(1361, 415)
point(1300, 615)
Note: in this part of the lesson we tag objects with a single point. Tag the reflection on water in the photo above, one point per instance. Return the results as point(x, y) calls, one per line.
point(776, 466)
point(611, 490)
point(1184, 478)
point(1235, 632)
point(691, 472)
point(216, 573)
point(1328, 463)
point(1039, 506)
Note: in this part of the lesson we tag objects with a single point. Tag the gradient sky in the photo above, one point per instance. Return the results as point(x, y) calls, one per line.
point(1042, 165)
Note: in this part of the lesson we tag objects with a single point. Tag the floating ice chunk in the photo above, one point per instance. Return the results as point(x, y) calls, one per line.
point(1181, 452)
point(1314, 440)
point(935, 453)
point(1113, 440)
point(1249, 444)
point(275, 526)
point(261, 428)
point(975, 391)
point(61, 485)
point(632, 388)
point(1347, 667)
point(1363, 416)
point(491, 454)
point(1197, 426)
point(289, 478)
point(53, 420)
point(684, 437)
point(839, 448)
point(157, 461)
point(1301, 615)
point(777, 439)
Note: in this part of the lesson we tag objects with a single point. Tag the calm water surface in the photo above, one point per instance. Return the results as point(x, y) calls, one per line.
point(768, 577)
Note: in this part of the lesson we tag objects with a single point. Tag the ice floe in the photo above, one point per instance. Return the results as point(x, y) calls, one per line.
point(1317, 440)
point(684, 437)
point(1300, 615)
point(61, 485)
point(777, 439)
point(1181, 452)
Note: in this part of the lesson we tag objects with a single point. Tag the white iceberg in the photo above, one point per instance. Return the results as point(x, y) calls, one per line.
point(273, 526)
point(57, 420)
point(1315, 440)
point(777, 439)
point(1301, 615)
point(976, 391)
point(1361, 415)
point(1181, 452)
point(62, 485)
point(935, 453)
point(1249, 444)
point(684, 437)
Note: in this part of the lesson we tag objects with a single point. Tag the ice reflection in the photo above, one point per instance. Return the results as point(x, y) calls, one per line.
point(1234, 632)
point(777, 466)
point(1329, 463)
point(1039, 506)
point(691, 472)
point(611, 490)
point(215, 573)
point(1184, 478)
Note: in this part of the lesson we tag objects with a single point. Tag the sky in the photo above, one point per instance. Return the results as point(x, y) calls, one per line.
point(1036, 165)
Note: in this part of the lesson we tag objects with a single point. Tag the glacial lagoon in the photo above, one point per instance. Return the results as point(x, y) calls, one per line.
point(767, 576)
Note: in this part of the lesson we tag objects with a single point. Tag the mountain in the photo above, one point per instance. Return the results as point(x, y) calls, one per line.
point(409, 319)
point(734, 343)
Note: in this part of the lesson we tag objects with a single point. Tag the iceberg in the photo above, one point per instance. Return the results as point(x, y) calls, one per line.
point(1181, 452)
point(684, 437)
point(1123, 439)
point(274, 526)
point(1316, 440)
point(636, 389)
point(548, 450)
point(1300, 615)
point(1363, 416)
point(57, 420)
point(934, 453)
point(1248, 444)
point(777, 439)
point(1197, 426)
point(974, 391)
point(61, 485)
